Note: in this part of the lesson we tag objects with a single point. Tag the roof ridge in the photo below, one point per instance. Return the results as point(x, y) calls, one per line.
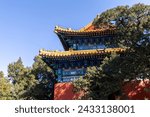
point(86, 27)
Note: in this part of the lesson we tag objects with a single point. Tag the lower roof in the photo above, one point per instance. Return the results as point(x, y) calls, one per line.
point(57, 55)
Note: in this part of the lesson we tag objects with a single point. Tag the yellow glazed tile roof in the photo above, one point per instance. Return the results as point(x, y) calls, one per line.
point(70, 53)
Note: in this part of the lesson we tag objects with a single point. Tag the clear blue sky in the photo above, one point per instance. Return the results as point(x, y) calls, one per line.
point(26, 26)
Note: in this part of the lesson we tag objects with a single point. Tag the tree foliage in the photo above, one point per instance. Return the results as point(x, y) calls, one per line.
point(22, 79)
point(132, 24)
point(5, 88)
point(44, 74)
point(31, 82)
point(133, 32)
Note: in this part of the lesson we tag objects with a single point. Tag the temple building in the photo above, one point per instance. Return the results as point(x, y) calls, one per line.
point(83, 48)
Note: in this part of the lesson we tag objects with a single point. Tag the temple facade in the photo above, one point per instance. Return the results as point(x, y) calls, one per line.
point(83, 48)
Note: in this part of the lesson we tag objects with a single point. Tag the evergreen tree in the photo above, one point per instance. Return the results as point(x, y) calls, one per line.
point(31, 83)
point(44, 74)
point(22, 79)
point(132, 25)
point(5, 88)
point(133, 32)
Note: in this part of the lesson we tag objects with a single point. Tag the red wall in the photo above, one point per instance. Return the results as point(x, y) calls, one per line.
point(137, 90)
point(133, 90)
point(64, 91)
